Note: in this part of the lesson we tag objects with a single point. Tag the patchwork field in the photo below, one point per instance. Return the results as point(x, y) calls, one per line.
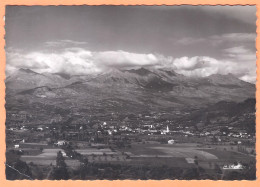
point(90, 151)
point(186, 152)
point(229, 155)
point(183, 151)
point(158, 161)
point(47, 157)
point(178, 155)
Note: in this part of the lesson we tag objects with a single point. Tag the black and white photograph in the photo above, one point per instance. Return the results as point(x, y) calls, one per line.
point(130, 92)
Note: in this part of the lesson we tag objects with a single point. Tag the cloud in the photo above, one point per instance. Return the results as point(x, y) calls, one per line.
point(249, 78)
point(236, 55)
point(187, 64)
point(216, 40)
point(240, 53)
point(241, 13)
point(233, 38)
point(79, 61)
point(245, 60)
point(19, 60)
point(205, 66)
point(202, 66)
point(63, 43)
point(236, 50)
point(125, 59)
point(190, 41)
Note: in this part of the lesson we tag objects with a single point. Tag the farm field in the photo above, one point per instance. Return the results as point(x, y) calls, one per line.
point(187, 152)
point(177, 162)
point(47, 157)
point(90, 151)
point(228, 155)
point(143, 149)
point(179, 155)
point(176, 150)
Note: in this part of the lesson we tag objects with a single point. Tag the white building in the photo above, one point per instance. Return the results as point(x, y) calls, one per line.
point(61, 142)
point(171, 141)
point(233, 166)
point(165, 131)
point(64, 154)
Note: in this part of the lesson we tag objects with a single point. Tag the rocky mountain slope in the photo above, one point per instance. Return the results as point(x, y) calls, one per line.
point(124, 91)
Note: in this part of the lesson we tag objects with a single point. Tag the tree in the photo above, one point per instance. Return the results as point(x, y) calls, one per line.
point(234, 175)
point(250, 172)
point(83, 168)
point(19, 170)
point(41, 149)
point(60, 172)
point(196, 160)
point(60, 161)
point(210, 165)
point(190, 173)
point(217, 169)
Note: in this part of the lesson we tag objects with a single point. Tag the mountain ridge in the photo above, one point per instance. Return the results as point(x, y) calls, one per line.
point(159, 88)
point(124, 93)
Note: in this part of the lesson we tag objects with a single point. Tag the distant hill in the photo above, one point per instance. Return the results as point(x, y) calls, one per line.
point(225, 113)
point(24, 79)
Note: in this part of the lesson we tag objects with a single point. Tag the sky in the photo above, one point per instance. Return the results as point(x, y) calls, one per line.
point(195, 41)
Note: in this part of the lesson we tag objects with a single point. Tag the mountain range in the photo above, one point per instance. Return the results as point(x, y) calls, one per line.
point(151, 80)
point(133, 90)
point(49, 96)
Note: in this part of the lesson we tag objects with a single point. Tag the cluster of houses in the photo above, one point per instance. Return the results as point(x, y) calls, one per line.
point(110, 128)
point(237, 166)
point(97, 128)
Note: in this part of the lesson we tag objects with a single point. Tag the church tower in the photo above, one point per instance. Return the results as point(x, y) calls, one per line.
point(167, 130)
